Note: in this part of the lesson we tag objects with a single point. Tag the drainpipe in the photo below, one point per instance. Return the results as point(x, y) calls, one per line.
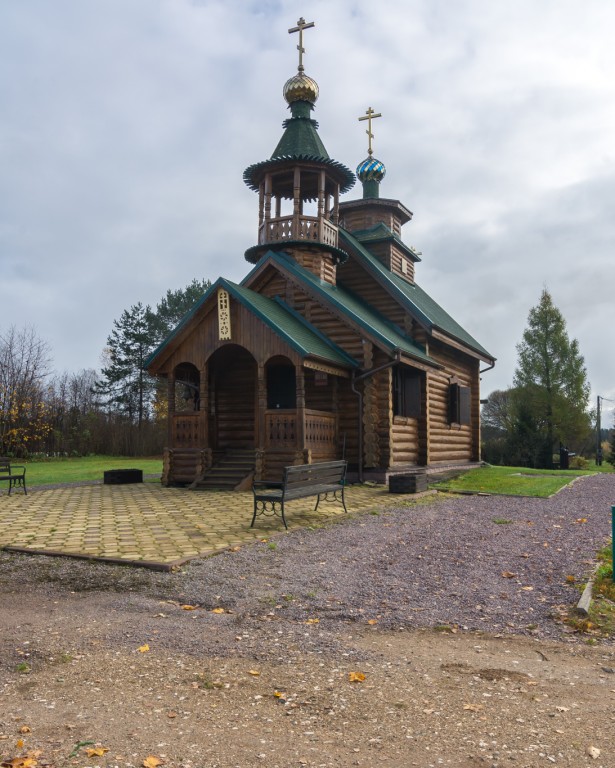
point(488, 368)
point(359, 393)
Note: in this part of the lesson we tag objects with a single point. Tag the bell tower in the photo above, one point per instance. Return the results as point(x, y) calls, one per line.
point(300, 185)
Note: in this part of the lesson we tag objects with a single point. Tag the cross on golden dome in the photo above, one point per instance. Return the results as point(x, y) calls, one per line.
point(369, 116)
point(301, 25)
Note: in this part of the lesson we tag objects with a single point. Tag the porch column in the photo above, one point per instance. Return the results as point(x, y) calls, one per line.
point(261, 406)
point(300, 391)
point(204, 407)
point(170, 408)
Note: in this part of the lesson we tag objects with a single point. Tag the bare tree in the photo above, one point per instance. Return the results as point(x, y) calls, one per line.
point(24, 366)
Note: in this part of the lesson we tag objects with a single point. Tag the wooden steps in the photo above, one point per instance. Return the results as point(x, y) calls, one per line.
point(233, 471)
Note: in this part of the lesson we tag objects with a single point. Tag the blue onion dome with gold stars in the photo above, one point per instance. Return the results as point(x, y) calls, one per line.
point(371, 169)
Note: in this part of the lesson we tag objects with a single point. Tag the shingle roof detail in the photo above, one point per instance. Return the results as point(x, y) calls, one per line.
point(419, 303)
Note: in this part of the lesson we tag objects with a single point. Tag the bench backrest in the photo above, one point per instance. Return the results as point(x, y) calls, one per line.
point(5, 466)
point(308, 475)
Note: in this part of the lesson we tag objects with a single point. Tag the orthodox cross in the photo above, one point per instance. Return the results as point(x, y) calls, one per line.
point(369, 116)
point(301, 25)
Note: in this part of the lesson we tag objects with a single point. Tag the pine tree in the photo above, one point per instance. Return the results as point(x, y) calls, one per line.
point(125, 385)
point(551, 384)
point(173, 306)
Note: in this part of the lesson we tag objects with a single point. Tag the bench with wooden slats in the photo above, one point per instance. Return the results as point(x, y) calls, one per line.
point(325, 480)
point(14, 474)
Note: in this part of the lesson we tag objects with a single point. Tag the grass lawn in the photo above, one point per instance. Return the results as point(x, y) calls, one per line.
point(513, 481)
point(50, 471)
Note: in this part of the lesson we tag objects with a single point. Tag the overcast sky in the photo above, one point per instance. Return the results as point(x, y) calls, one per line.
point(125, 127)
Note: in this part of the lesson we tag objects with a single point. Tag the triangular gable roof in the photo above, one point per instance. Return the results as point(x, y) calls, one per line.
point(290, 326)
point(428, 312)
point(386, 335)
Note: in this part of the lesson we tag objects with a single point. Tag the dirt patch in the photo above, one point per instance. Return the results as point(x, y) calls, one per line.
point(246, 659)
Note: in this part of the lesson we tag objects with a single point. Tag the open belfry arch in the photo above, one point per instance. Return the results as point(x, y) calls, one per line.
point(328, 348)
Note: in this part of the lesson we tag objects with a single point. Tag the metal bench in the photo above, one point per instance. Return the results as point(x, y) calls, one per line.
point(325, 480)
point(15, 474)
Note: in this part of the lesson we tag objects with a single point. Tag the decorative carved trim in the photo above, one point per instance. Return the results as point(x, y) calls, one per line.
point(224, 315)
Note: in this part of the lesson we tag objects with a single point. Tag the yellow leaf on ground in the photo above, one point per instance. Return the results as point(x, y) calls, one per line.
point(581, 520)
point(570, 579)
point(508, 574)
point(96, 751)
point(188, 607)
point(19, 744)
point(25, 729)
point(218, 610)
point(254, 672)
point(313, 621)
point(143, 648)
point(279, 694)
point(527, 589)
point(234, 549)
point(372, 621)
point(356, 677)
point(151, 761)
point(21, 762)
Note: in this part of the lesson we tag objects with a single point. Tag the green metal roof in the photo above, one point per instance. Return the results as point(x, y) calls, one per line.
point(419, 303)
point(380, 233)
point(300, 138)
point(294, 329)
point(387, 334)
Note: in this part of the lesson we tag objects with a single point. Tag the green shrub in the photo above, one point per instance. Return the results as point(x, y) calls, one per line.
point(579, 462)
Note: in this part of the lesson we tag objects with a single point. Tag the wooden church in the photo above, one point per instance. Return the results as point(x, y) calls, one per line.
point(328, 348)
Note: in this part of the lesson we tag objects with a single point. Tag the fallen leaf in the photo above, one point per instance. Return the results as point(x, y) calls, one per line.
point(143, 648)
point(279, 695)
point(527, 589)
point(473, 707)
point(151, 761)
point(19, 744)
point(96, 751)
point(25, 729)
point(254, 672)
point(581, 520)
point(234, 549)
point(21, 762)
point(570, 579)
point(218, 610)
point(356, 677)
point(312, 621)
point(171, 715)
point(508, 575)
point(372, 621)
point(188, 607)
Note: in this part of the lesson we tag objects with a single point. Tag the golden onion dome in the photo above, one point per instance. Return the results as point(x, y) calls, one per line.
point(300, 87)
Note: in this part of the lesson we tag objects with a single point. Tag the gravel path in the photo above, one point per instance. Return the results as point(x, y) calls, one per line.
point(497, 564)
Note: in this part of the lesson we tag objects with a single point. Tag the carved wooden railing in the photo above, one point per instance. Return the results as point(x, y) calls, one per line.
point(321, 433)
point(309, 228)
point(186, 430)
point(281, 428)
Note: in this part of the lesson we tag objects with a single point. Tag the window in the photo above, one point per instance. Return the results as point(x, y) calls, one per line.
point(459, 404)
point(407, 392)
point(281, 387)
